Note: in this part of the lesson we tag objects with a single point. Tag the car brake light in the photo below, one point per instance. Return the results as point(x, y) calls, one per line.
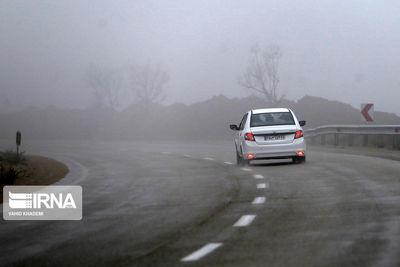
point(251, 156)
point(300, 153)
point(249, 137)
point(298, 134)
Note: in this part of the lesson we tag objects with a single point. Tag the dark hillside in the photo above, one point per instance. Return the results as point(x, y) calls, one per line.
point(208, 119)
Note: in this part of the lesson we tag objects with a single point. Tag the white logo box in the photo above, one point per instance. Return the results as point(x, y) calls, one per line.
point(42, 202)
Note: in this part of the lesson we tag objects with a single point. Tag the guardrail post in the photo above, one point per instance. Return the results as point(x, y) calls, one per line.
point(365, 140)
point(312, 141)
point(336, 139)
point(323, 139)
point(350, 140)
point(380, 141)
point(396, 141)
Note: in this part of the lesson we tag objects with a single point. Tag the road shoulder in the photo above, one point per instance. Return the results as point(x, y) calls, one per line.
point(40, 170)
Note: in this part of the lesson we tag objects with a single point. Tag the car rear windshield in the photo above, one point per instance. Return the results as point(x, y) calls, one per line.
point(271, 119)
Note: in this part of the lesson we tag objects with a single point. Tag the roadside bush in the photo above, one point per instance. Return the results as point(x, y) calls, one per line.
point(8, 175)
point(12, 158)
point(11, 166)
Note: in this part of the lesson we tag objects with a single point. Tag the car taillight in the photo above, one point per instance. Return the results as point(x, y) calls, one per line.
point(298, 134)
point(300, 153)
point(250, 156)
point(249, 137)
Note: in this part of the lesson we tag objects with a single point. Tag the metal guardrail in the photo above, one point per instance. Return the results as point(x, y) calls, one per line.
point(355, 135)
point(354, 129)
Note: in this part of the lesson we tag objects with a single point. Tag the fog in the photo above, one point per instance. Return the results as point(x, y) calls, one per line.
point(340, 50)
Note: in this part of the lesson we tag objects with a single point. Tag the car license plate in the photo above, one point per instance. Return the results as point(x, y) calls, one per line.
point(274, 137)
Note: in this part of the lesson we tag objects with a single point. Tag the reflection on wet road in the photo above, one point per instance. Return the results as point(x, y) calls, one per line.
point(171, 204)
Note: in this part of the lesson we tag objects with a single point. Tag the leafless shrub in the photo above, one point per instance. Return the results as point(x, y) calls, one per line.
point(148, 83)
point(262, 73)
point(106, 86)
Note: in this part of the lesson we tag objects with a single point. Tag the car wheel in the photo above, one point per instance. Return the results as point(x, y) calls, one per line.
point(238, 159)
point(298, 160)
point(245, 162)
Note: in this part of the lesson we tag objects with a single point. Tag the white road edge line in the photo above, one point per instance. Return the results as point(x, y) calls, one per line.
point(203, 251)
point(227, 162)
point(258, 176)
point(208, 158)
point(246, 169)
point(261, 186)
point(258, 200)
point(245, 220)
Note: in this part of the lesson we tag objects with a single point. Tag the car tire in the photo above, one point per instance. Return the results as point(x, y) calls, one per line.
point(299, 160)
point(245, 162)
point(238, 159)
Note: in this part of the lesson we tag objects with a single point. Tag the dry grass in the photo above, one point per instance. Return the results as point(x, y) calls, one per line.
point(40, 171)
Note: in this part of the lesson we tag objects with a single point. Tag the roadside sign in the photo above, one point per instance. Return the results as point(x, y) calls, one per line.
point(18, 138)
point(367, 112)
point(18, 141)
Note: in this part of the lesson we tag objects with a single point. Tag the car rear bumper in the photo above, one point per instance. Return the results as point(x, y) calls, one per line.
point(273, 151)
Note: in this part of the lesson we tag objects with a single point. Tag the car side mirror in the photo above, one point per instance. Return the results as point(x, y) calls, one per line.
point(234, 127)
point(302, 123)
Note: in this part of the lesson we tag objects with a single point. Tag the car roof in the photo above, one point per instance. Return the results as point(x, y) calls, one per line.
point(269, 110)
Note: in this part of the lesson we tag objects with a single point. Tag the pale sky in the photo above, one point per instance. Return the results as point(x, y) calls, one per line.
point(340, 50)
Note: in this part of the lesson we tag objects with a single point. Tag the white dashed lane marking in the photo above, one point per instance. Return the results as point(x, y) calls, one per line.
point(187, 156)
point(203, 251)
point(245, 220)
point(227, 162)
point(208, 158)
point(261, 186)
point(258, 176)
point(246, 169)
point(259, 200)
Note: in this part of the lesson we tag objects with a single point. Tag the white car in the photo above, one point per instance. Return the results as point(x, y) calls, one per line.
point(273, 133)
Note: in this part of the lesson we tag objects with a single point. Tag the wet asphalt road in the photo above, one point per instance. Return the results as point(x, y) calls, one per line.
point(157, 204)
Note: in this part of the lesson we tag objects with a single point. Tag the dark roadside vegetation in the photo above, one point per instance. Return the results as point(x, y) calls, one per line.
point(12, 166)
point(20, 169)
point(206, 120)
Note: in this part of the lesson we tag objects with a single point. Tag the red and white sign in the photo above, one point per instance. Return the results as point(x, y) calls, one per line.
point(367, 112)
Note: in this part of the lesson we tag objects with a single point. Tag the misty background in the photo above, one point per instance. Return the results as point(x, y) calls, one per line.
point(340, 50)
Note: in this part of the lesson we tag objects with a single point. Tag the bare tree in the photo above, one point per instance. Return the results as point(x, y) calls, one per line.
point(106, 85)
point(262, 73)
point(148, 83)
